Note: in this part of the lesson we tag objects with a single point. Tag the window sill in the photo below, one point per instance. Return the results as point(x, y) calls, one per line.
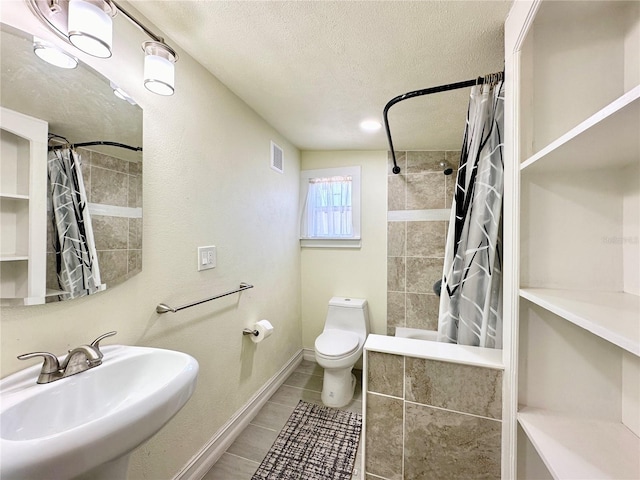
point(330, 243)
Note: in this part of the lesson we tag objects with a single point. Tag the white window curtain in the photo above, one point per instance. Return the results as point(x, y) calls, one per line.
point(328, 209)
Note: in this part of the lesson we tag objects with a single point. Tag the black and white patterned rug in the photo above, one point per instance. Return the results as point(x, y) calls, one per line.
point(316, 443)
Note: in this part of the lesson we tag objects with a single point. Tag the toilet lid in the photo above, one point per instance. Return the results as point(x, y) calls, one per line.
point(335, 343)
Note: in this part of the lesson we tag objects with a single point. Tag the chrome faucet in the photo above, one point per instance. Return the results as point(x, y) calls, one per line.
point(78, 360)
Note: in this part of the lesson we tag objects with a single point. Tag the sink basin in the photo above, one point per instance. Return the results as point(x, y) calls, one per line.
point(71, 427)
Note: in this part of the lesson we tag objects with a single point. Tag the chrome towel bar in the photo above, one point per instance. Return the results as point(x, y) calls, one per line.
point(163, 308)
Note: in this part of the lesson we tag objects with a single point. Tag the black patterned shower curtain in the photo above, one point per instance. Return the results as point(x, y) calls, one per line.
point(73, 241)
point(471, 294)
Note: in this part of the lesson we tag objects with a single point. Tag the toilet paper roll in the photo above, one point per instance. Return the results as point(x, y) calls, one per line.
point(264, 329)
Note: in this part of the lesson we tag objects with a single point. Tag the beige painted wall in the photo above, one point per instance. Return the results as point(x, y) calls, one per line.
point(206, 181)
point(359, 273)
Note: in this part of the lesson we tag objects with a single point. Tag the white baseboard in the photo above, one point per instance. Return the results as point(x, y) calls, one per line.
point(309, 354)
point(202, 462)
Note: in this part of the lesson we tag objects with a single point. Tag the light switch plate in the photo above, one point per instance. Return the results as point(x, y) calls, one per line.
point(207, 257)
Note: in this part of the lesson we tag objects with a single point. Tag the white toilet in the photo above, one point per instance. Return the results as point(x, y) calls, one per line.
point(339, 347)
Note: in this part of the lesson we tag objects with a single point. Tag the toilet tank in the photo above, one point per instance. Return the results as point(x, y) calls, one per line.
point(349, 314)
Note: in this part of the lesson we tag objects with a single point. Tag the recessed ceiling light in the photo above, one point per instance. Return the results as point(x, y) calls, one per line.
point(370, 125)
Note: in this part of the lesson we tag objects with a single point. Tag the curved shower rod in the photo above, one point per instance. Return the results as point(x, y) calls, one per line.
point(493, 77)
point(100, 142)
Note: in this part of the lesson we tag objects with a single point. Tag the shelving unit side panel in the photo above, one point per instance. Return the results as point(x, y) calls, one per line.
point(631, 228)
point(567, 369)
point(631, 392)
point(566, 221)
point(578, 64)
point(38, 217)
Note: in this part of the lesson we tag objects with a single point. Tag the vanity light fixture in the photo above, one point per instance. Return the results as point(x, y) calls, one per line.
point(87, 25)
point(159, 60)
point(53, 55)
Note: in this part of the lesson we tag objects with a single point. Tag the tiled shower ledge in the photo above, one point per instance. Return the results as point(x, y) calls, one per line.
point(446, 352)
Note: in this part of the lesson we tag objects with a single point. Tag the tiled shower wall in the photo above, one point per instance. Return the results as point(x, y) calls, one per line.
point(110, 181)
point(416, 233)
point(427, 419)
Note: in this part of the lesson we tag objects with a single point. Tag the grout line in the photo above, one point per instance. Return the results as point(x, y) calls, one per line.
point(454, 411)
point(301, 388)
point(266, 428)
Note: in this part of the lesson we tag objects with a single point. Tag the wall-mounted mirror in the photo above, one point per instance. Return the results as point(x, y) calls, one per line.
point(77, 106)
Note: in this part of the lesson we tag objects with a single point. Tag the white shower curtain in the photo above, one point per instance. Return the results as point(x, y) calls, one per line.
point(76, 257)
point(471, 294)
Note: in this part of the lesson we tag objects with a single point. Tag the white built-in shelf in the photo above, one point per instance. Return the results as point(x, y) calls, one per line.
point(581, 448)
point(6, 257)
point(613, 316)
point(609, 138)
point(14, 196)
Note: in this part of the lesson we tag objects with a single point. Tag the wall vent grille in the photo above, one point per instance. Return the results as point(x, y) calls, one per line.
point(277, 158)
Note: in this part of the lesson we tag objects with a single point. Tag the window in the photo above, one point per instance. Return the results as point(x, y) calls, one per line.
point(330, 213)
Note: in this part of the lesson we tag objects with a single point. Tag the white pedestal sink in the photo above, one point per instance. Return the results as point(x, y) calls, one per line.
point(86, 425)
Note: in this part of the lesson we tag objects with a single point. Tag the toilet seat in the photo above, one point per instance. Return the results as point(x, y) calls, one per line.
point(336, 343)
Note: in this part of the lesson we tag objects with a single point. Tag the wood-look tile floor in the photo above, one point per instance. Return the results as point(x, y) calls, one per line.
point(243, 457)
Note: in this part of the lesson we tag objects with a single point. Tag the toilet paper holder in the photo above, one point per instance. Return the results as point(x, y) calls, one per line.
point(248, 331)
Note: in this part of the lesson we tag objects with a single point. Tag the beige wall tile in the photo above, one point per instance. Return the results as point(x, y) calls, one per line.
point(396, 239)
point(52, 275)
point(135, 168)
point(114, 264)
point(448, 445)
point(385, 373)
point(396, 274)
point(109, 187)
point(463, 388)
point(453, 157)
point(135, 233)
point(111, 233)
point(422, 311)
point(134, 262)
point(422, 273)
point(111, 163)
point(396, 192)
point(134, 195)
point(424, 161)
point(450, 188)
point(384, 436)
point(401, 160)
point(425, 239)
point(425, 191)
point(395, 311)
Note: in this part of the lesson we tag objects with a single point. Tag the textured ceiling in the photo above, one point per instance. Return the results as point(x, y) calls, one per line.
point(315, 69)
